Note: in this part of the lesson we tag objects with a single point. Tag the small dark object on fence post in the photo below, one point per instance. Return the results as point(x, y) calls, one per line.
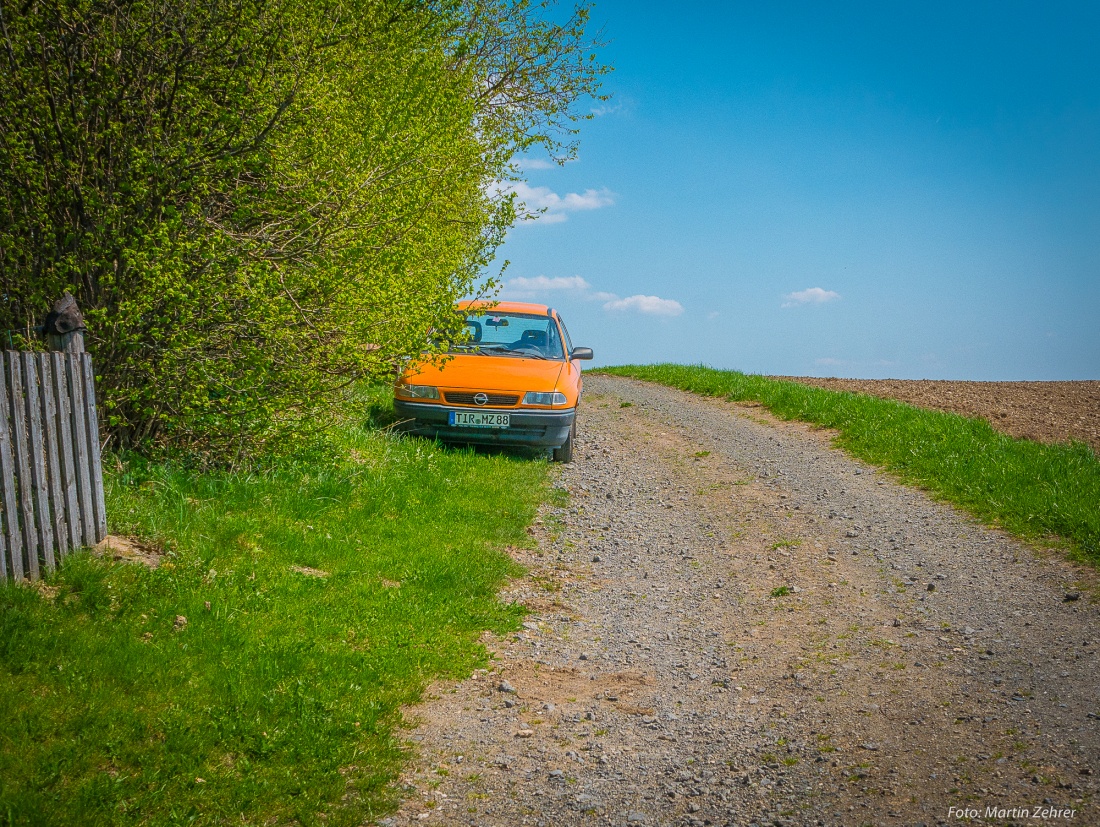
point(64, 326)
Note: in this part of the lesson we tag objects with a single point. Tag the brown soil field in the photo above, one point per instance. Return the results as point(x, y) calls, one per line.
point(1041, 411)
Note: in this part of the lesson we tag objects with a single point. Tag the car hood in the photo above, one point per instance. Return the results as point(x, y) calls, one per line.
point(489, 373)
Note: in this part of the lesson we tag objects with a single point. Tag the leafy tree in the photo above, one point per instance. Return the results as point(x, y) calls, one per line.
point(260, 202)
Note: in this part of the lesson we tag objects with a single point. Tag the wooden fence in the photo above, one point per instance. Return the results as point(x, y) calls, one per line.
point(51, 479)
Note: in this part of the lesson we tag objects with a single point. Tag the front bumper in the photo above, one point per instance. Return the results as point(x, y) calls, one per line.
point(532, 428)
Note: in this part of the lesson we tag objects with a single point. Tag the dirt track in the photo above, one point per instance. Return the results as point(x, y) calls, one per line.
point(1042, 411)
point(733, 623)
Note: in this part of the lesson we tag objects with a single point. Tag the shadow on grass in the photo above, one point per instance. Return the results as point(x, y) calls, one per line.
point(378, 414)
point(508, 451)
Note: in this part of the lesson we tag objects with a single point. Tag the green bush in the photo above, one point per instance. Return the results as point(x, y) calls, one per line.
point(258, 204)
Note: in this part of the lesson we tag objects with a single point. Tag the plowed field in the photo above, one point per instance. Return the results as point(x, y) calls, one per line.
point(1042, 411)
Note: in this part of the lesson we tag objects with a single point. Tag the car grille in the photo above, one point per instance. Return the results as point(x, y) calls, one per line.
point(467, 398)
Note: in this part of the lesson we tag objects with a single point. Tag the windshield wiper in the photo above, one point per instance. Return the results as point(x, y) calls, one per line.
point(527, 354)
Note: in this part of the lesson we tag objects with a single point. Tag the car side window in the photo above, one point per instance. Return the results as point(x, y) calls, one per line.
point(565, 333)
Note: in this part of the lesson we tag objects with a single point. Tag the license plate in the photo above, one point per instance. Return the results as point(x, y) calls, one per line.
point(478, 419)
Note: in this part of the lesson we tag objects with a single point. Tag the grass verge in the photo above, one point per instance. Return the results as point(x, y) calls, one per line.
point(1037, 491)
point(319, 596)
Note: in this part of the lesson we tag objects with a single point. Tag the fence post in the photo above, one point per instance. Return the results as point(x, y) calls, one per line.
point(64, 329)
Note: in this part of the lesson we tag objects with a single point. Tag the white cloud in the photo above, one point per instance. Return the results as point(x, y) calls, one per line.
point(829, 361)
point(813, 295)
point(550, 283)
point(550, 218)
point(530, 287)
point(650, 305)
point(550, 207)
point(590, 199)
point(606, 109)
point(536, 163)
point(526, 287)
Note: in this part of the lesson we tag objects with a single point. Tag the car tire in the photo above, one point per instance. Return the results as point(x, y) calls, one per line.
point(565, 452)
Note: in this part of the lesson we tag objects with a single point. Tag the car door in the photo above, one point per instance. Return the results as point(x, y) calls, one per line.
point(574, 368)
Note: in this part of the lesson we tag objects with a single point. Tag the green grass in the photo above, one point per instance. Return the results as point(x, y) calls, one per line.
point(785, 544)
point(282, 691)
point(1040, 492)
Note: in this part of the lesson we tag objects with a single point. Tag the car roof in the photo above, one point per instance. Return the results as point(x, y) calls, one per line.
point(507, 307)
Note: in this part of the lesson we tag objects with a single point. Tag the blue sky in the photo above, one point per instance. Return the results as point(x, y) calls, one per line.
point(866, 190)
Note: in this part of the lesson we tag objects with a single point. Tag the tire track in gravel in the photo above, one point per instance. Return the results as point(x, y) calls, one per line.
point(734, 623)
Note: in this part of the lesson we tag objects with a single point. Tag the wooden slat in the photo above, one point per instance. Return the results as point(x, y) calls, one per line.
point(51, 476)
point(3, 543)
point(53, 466)
point(80, 444)
point(7, 479)
point(23, 466)
point(95, 461)
point(65, 447)
point(37, 445)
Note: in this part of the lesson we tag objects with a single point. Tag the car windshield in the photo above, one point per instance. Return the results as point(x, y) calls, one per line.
point(523, 335)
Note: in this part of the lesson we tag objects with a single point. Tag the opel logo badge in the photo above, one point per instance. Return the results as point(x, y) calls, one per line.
point(480, 398)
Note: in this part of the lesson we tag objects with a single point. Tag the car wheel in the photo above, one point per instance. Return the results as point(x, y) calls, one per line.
point(565, 452)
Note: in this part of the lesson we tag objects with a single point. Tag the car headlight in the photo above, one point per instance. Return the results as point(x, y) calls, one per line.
point(417, 391)
point(537, 398)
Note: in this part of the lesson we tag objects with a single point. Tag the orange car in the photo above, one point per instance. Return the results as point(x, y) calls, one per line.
point(514, 381)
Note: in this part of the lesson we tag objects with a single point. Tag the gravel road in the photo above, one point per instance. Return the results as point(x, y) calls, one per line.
point(734, 623)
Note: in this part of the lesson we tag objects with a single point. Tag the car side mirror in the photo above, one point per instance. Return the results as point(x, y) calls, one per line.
point(581, 353)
